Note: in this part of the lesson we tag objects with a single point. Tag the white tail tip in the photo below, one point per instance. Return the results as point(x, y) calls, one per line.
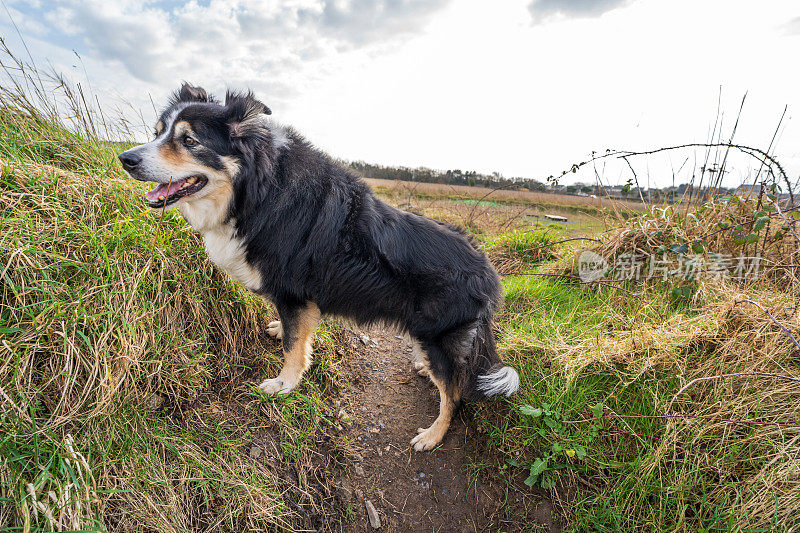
point(504, 381)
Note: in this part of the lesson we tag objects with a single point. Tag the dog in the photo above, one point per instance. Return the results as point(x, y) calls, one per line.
point(295, 226)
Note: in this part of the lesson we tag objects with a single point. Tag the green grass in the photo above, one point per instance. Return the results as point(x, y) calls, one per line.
point(481, 203)
point(528, 246)
point(624, 473)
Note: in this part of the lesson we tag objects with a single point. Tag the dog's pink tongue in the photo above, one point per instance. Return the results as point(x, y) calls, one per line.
point(155, 193)
point(165, 190)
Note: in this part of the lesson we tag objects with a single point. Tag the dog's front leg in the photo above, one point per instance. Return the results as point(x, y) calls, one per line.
point(275, 329)
point(298, 325)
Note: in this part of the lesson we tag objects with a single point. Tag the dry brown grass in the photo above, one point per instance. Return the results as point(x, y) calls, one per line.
point(407, 189)
point(113, 324)
point(488, 218)
point(716, 227)
point(411, 189)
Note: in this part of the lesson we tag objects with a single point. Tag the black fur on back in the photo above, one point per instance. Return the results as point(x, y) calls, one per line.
point(316, 232)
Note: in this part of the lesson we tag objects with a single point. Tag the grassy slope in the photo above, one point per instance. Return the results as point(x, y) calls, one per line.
point(113, 323)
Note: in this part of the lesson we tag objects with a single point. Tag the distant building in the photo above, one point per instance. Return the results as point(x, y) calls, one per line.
point(755, 191)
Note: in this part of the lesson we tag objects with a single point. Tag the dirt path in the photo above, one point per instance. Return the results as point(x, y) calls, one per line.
point(430, 491)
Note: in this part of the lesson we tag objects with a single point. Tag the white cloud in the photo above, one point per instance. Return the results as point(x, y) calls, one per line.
point(137, 36)
point(261, 37)
point(544, 9)
point(793, 26)
point(27, 25)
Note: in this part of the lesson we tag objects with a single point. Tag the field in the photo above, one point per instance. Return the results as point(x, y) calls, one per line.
point(128, 365)
point(517, 203)
point(539, 199)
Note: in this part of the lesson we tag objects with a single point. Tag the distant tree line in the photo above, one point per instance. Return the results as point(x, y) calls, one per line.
point(447, 177)
point(496, 180)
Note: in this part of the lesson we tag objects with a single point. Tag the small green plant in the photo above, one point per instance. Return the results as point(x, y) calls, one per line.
point(550, 425)
point(350, 512)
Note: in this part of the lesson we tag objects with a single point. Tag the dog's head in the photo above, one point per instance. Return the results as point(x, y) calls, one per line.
point(198, 148)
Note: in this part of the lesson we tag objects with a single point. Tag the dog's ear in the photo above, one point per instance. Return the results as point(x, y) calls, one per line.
point(244, 113)
point(251, 139)
point(256, 107)
point(189, 93)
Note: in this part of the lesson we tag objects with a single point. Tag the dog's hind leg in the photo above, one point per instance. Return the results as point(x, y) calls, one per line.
point(445, 361)
point(298, 325)
point(440, 370)
point(448, 400)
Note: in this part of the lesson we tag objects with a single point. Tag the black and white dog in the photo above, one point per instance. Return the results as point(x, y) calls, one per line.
point(291, 224)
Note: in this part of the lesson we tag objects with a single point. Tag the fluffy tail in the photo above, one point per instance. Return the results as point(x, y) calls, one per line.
point(502, 381)
point(488, 375)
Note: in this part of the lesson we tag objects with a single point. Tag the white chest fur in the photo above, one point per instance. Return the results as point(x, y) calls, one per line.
point(227, 252)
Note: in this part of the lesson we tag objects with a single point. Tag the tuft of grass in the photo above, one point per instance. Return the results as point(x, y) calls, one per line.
point(746, 226)
point(56, 479)
point(518, 251)
point(46, 119)
point(103, 309)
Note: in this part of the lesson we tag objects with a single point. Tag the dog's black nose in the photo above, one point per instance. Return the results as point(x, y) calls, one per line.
point(129, 160)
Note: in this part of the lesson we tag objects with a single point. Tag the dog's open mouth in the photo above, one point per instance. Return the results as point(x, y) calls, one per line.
point(169, 193)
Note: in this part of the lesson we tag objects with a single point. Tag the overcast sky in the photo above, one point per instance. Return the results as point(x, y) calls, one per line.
point(524, 88)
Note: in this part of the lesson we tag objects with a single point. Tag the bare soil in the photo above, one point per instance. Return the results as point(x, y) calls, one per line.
point(365, 454)
point(421, 491)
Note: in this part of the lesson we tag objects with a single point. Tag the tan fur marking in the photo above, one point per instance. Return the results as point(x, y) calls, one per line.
point(207, 210)
point(418, 359)
point(297, 360)
point(231, 165)
point(220, 196)
point(159, 127)
point(174, 158)
point(432, 436)
point(182, 128)
point(177, 158)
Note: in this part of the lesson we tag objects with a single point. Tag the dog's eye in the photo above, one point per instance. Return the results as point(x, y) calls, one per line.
point(189, 141)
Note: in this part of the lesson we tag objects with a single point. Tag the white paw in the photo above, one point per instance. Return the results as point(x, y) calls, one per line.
point(276, 386)
point(421, 368)
point(427, 438)
point(275, 329)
